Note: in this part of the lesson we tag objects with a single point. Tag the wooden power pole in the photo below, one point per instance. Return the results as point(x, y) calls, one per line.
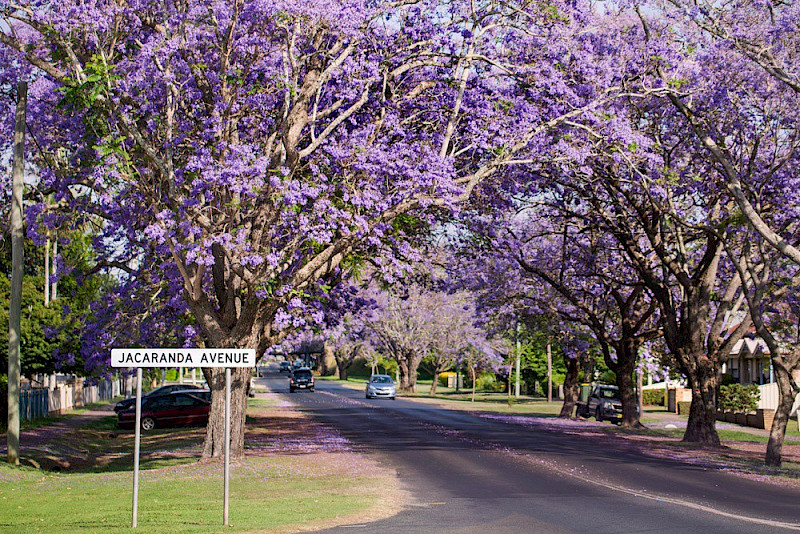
point(549, 373)
point(17, 242)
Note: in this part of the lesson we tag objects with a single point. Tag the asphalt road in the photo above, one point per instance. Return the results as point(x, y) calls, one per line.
point(469, 474)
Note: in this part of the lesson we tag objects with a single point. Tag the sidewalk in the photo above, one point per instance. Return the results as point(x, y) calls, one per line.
point(42, 437)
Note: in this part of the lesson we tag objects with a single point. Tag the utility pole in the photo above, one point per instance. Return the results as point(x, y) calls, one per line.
point(17, 251)
point(549, 373)
point(47, 272)
point(54, 290)
point(519, 357)
point(640, 396)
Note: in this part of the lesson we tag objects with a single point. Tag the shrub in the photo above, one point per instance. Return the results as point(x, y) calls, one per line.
point(738, 397)
point(488, 382)
point(653, 397)
point(684, 407)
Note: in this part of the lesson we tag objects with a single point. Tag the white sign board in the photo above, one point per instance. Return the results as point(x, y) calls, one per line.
point(183, 358)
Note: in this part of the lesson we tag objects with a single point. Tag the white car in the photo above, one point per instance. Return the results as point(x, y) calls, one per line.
point(381, 386)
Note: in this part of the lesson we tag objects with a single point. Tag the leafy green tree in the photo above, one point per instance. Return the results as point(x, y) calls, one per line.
point(57, 327)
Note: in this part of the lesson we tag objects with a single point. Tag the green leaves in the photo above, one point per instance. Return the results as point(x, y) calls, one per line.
point(739, 398)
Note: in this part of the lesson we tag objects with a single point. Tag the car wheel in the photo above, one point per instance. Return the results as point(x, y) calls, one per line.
point(148, 423)
point(598, 414)
point(291, 390)
point(392, 398)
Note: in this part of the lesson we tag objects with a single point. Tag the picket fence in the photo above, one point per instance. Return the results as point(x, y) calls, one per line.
point(41, 402)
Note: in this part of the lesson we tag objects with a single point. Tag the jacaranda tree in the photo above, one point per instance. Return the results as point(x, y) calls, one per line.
point(240, 151)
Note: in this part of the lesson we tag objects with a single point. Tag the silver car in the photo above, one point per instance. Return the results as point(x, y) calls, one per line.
point(381, 386)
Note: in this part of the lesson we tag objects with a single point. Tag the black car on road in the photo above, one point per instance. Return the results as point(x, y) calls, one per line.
point(604, 403)
point(301, 378)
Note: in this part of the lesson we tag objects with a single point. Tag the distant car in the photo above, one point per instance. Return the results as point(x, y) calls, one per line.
point(163, 390)
point(285, 367)
point(604, 403)
point(381, 386)
point(251, 387)
point(301, 378)
point(177, 409)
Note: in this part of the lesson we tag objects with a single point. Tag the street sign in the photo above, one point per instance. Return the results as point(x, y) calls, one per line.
point(183, 357)
point(140, 358)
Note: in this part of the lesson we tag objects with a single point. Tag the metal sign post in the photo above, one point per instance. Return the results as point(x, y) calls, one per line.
point(136, 443)
point(227, 467)
point(164, 358)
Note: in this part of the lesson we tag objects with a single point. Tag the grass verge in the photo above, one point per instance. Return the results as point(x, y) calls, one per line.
point(297, 476)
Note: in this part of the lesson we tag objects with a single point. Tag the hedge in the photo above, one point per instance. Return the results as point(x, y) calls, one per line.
point(738, 398)
point(653, 397)
point(683, 407)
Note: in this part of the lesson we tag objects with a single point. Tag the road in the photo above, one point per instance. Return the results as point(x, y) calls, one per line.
point(469, 474)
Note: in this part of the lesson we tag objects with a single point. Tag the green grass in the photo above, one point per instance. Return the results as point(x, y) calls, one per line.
point(269, 493)
point(261, 402)
point(266, 493)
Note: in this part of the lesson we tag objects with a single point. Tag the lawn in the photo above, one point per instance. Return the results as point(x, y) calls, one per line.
point(267, 493)
point(294, 476)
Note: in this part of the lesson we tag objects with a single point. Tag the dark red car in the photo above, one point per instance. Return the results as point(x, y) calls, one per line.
point(176, 409)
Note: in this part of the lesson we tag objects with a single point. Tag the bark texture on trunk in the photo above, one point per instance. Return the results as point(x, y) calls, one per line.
point(701, 427)
point(571, 387)
point(409, 364)
point(435, 382)
point(214, 446)
point(342, 369)
point(778, 431)
point(630, 402)
point(472, 373)
point(327, 361)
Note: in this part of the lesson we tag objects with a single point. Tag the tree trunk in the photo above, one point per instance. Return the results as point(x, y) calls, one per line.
point(472, 372)
point(701, 425)
point(327, 358)
point(435, 382)
point(342, 366)
point(571, 387)
point(408, 372)
point(630, 402)
point(778, 431)
point(214, 446)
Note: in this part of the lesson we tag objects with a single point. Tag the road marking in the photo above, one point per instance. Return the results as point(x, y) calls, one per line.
point(677, 502)
point(436, 504)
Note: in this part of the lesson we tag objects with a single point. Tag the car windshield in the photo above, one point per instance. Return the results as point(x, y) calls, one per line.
point(381, 380)
point(302, 374)
point(608, 393)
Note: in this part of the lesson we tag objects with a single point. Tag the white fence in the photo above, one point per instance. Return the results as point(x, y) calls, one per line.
point(769, 398)
point(66, 397)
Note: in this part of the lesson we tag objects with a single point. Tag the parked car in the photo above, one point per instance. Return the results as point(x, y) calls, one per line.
point(301, 378)
point(163, 390)
point(285, 367)
point(176, 409)
point(204, 394)
point(381, 386)
point(604, 403)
